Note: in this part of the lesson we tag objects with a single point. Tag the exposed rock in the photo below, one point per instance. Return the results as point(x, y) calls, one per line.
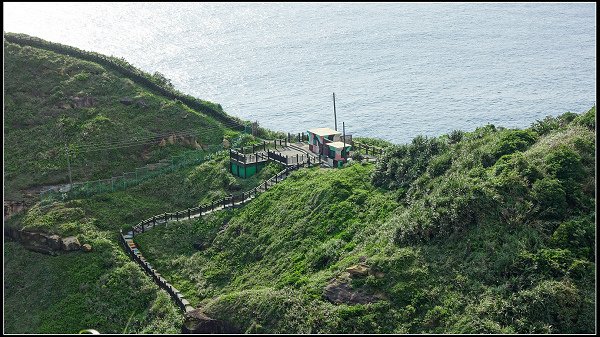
point(54, 242)
point(86, 247)
point(226, 143)
point(42, 242)
point(358, 270)
point(12, 207)
point(339, 291)
point(64, 105)
point(171, 139)
point(141, 103)
point(163, 142)
point(197, 322)
point(126, 100)
point(70, 243)
point(83, 102)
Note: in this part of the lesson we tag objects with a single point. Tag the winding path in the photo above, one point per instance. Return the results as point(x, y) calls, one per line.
point(127, 239)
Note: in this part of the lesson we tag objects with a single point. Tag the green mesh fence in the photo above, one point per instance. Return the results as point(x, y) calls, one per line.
point(129, 179)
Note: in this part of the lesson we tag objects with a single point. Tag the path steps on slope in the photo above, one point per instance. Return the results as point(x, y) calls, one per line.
point(127, 239)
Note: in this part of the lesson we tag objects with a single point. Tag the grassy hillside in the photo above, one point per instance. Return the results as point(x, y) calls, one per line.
point(52, 101)
point(101, 289)
point(104, 277)
point(484, 231)
point(490, 231)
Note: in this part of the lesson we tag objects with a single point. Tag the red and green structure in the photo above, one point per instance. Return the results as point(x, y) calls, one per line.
point(330, 145)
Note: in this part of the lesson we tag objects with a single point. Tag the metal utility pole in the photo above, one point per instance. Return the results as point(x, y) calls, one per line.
point(334, 115)
point(344, 132)
point(69, 164)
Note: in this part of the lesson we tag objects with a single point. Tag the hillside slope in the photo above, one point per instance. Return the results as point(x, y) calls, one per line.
point(490, 231)
point(48, 96)
point(485, 231)
point(52, 101)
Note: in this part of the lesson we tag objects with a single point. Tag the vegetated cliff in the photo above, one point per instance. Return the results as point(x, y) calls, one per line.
point(483, 231)
point(490, 231)
point(50, 99)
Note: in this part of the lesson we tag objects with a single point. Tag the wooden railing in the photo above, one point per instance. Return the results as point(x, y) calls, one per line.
point(189, 213)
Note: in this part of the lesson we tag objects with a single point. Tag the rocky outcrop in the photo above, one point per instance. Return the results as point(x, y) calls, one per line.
point(126, 101)
point(50, 244)
point(339, 290)
point(86, 247)
point(141, 103)
point(83, 102)
point(358, 270)
point(70, 243)
point(12, 207)
point(197, 322)
point(226, 143)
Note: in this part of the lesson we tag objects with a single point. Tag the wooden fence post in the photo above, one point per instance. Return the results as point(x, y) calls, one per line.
point(189, 214)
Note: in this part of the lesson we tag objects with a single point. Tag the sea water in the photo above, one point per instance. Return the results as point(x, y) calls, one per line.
point(398, 69)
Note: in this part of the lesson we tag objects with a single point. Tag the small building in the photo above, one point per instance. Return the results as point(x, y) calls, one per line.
point(338, 153)
point(328, 144)
point(319, 136)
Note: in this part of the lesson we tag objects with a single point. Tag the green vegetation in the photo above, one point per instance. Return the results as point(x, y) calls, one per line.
point(490, 231)
point(102, 289)
point(52, 100)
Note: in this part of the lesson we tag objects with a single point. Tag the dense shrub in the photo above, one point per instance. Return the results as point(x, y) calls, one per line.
point(577, 235)
point(518, 163)
point(455, 205)
point(545, 126)
point(551, 307)
point(587, 119)
point(402, 164)
point(550, 199)
point(514, 140)
point(565, 164)
point(439, 164)
point(455, 136)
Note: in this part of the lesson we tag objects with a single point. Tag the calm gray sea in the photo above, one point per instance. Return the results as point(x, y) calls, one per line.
point(398, 69)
